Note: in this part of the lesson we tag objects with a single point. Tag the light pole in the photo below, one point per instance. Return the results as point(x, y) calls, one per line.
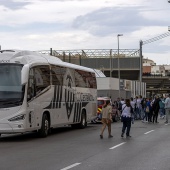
point(118, 62)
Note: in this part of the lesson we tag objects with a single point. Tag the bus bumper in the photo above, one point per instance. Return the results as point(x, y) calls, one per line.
point(11, 128)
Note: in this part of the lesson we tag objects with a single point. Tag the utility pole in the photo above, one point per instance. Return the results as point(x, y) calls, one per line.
point(118, 35)
point(141, 64)
point(110, 63)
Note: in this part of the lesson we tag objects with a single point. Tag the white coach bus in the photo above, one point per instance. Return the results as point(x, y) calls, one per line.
point(39, 92)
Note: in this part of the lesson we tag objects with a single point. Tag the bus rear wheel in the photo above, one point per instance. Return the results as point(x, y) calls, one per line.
point(43, 132)
point(83, 122)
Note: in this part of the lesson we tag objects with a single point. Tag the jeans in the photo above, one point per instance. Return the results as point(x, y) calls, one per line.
point(146, 116)
point(167, 113)
point(139, 113)
point(126, 125)
point(162, 112)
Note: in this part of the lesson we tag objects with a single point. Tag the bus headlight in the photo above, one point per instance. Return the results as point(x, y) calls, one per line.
point(17, 118)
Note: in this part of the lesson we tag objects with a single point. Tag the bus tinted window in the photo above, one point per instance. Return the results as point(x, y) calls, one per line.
point(42, 77)
point(80, 78)
point(56, 75)
point(92, 80)
point(85, 79)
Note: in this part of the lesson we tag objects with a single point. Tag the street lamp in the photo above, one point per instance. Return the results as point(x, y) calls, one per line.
point(118, 62)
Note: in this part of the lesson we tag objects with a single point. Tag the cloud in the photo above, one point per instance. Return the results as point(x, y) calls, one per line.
point(106, 21)
point(13, 4)
point(83, 24)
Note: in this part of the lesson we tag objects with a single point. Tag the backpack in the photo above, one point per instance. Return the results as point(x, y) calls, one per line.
point(119, 105)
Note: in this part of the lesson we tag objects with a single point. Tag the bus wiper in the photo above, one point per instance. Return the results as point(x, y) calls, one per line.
point(16, 102)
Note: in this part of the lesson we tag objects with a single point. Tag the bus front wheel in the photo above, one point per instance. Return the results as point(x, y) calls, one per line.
point(43, 132)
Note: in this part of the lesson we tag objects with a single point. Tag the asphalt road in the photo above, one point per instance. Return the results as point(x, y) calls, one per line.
point(82, 149)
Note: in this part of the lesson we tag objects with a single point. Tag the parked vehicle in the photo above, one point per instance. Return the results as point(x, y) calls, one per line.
point(101, 101)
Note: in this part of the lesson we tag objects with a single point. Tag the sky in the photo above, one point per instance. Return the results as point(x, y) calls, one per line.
point(86, 24)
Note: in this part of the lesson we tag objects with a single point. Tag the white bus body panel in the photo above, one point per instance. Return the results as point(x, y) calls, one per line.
point(70, 100)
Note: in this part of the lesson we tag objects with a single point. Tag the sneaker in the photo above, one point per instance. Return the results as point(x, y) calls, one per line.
point(166, 122)
point(128, 136)
point(122, 135)
point(110, 136)
point(101, 136)
point(93, 121)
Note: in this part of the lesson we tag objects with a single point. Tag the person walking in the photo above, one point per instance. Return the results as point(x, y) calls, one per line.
point(167, 107)
point(126, 118)
point(106, 119)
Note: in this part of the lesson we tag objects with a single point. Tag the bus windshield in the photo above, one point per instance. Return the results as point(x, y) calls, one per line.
point(11, 90)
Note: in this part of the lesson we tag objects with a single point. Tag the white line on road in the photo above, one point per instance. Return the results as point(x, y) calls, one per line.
point(117, 145)
point(149, 132)
point(71, 166)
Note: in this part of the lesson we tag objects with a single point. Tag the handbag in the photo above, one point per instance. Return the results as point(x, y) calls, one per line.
point(147, 109)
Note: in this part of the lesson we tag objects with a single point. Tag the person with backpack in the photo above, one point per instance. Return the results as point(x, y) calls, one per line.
point(126, 118)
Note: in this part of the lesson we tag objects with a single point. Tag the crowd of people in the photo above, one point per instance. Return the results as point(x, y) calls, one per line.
point(145, 109)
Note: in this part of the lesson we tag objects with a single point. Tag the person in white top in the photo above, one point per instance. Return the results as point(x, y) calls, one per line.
point(167, 107)
point(132, 103)
point(126, 118)
point(122, 101)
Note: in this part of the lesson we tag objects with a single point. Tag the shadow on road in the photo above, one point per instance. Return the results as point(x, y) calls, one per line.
point(30, 136)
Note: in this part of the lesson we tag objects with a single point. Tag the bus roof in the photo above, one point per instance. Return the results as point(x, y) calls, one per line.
point(31, 57)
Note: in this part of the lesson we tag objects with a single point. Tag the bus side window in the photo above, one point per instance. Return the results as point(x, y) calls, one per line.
point(56, 75)
point(42, 78)
point(31, 85)
point(80, 79)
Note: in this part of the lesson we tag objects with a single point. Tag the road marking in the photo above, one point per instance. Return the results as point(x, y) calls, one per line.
point(149, 132)
point(117, 145)
point(71, 166)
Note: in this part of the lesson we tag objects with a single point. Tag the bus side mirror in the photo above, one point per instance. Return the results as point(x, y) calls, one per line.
point(24, 74)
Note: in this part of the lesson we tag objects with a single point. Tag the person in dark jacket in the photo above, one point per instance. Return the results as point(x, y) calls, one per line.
point(150, 110)
point(156, 109)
